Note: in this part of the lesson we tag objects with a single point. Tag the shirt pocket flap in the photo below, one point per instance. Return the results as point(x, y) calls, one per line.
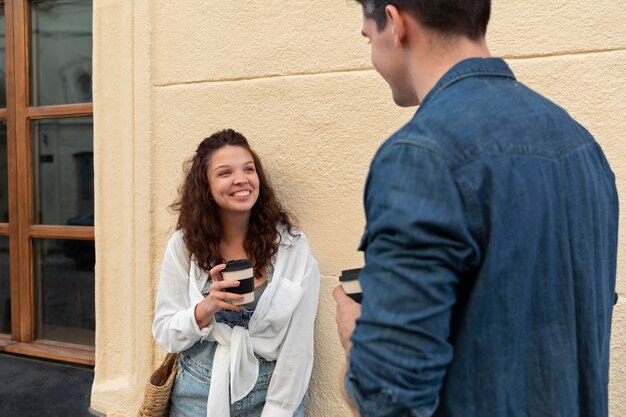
point(285, 299)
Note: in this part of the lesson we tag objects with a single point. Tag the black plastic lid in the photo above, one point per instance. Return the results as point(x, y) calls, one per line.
point(237, 265)
point(350, 274)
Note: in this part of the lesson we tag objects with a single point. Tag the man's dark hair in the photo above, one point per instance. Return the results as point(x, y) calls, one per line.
point(447, 17)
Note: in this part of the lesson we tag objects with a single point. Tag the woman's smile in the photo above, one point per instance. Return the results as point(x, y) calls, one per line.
point(243, 193)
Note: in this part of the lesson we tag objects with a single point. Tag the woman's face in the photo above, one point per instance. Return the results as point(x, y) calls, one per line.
point(233, 179)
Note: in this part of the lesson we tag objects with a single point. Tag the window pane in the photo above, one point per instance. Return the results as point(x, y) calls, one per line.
point(4, 174)
point(60, 51)
point(64, 280)
point(3, 61)
point(5, 287)
point(63, 171)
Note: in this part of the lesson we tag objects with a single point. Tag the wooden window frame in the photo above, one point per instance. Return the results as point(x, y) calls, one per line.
point(21, 230)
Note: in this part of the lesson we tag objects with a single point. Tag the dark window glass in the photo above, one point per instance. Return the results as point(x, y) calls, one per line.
point(63, 171)
point(5, 287)
point(4, 174)
point(60, 51)
point(3, 60)
point(64, 280)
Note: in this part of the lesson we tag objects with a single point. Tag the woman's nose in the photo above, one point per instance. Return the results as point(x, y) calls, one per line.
point(240, 178)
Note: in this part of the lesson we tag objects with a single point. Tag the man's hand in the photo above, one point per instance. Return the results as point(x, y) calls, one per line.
point(348, 311)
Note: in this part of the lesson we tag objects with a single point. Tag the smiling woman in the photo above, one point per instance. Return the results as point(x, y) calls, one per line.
point(227, 210)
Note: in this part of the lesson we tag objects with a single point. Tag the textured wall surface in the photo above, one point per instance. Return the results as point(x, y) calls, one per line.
point(295, 78)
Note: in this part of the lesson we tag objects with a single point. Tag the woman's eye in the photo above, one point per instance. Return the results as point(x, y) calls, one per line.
point(223, 173)
point(250, 169)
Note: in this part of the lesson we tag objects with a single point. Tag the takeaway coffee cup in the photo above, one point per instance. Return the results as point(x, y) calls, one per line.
point(240, 270)
point(350, 282)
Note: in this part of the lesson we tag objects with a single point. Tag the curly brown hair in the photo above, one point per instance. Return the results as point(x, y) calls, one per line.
point(198, 214)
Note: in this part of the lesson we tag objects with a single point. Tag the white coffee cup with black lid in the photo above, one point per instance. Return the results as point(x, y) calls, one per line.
point(240, 270)
point(349, 280)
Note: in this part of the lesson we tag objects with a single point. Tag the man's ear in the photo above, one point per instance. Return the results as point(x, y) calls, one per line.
point(396, 19)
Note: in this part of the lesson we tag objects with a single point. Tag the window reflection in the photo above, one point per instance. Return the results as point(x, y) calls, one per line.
point(60, 51)
point(5, 287)
point(63, 171)
point(3, 60)
point(4, 174)
point(65, 290)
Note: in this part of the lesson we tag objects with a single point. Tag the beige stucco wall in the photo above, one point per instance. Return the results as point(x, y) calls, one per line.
point(295, 78)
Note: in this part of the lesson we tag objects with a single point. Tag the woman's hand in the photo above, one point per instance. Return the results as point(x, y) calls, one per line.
point(217, 298)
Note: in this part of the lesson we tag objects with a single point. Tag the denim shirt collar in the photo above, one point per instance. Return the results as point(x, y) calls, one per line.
point(471, 67)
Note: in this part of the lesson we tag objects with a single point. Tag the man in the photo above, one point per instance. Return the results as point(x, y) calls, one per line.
point(491, 237)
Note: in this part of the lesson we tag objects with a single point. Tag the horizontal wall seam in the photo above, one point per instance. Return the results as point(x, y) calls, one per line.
point(564, 54)
point(370, 69)
point(263, 77)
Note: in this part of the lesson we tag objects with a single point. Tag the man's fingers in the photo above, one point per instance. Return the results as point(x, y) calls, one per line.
point(339, 294)
point(342, 299)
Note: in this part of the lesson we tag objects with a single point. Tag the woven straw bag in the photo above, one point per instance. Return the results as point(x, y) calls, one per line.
point(156, 399)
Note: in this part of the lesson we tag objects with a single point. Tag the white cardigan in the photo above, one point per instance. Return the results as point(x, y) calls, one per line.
point(280, 329)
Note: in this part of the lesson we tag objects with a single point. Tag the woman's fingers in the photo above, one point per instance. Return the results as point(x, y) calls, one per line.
point(216, 272)
point(218, 295)
point(227, 296)
point(226, 302)
point(228, 306)
point(222, 285)
point(222, 298)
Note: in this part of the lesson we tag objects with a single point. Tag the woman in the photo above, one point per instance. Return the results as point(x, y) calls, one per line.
point(249, 360)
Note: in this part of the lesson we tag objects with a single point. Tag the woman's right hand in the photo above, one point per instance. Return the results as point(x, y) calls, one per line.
point(217, 298)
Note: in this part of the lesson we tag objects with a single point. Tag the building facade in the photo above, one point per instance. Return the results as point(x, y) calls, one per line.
point(296, 79)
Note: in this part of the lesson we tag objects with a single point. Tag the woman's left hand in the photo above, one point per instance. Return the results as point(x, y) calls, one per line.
point(217, 299)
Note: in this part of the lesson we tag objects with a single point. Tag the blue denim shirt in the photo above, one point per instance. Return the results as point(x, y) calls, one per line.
point(490, 249)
